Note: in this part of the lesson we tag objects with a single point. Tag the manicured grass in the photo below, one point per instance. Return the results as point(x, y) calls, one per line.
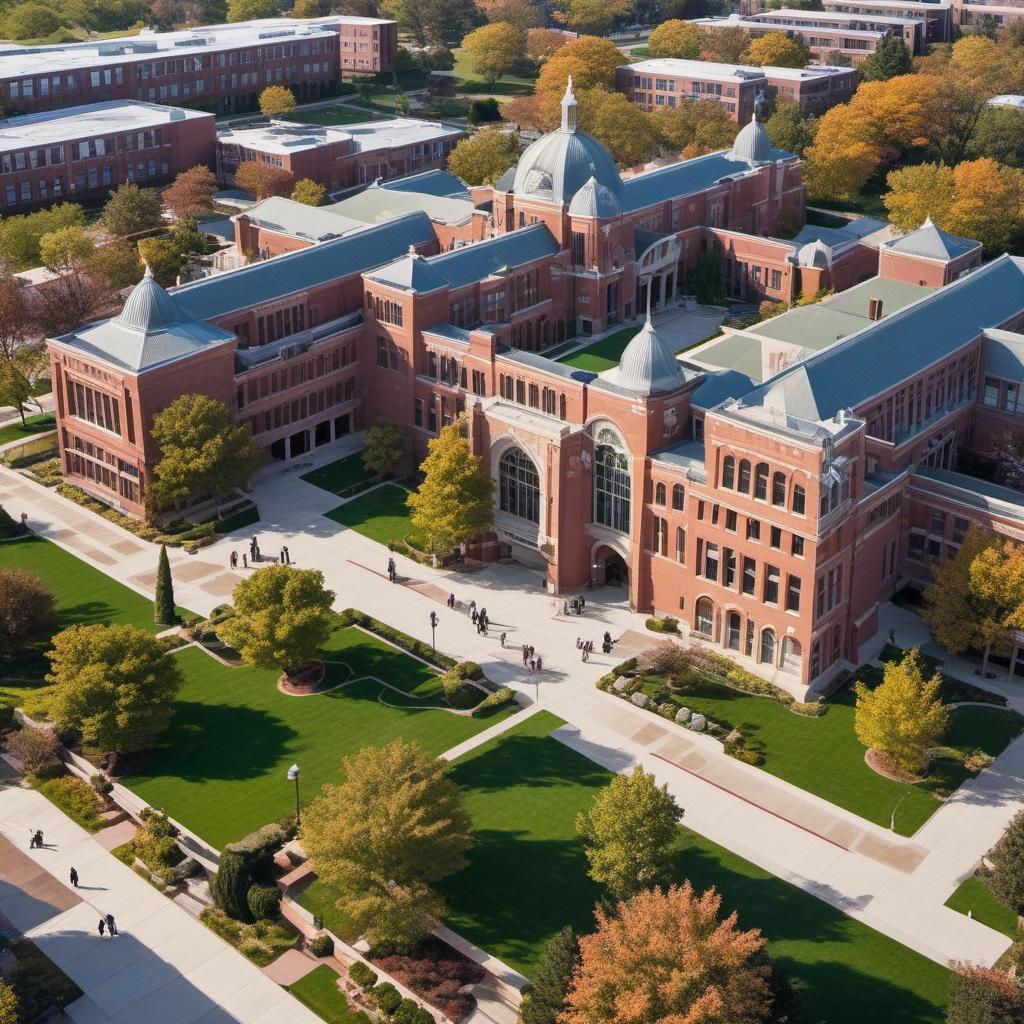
point(603, 354)
point(527, 878)
point(338, 475)
point(467, 80)
point(237, 520)
point(381, 515)
point(321, 900)
point(975, 896)
point(335, 115)
point(33, 425)
point(221, 767)
point(824, 756)
point(319, 991)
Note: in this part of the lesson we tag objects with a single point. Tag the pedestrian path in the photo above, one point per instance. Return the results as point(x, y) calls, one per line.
point(163, 967)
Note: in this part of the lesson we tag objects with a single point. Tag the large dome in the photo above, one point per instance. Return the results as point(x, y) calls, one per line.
point(752, 145)
point(149, 308)
point(647, 366)
point(559, 164)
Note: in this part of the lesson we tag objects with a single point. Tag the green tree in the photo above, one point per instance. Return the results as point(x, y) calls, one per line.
point(984, 995)
point(790, 128)
point(544, 1000)
point(494, 50)
point(131, 209)
point(113, 267)
point(890, 58)
point(1007, 880)
point(251, 10)
point(8, 1005)
point(202, 450)
point(15, 386)
point(627, 133)
point(385, 837)
point(26, 611)
point(438, 22)
point(455, 501)
point(191, 193)
point(169, 256)
point(385, 446)
point(705, 281)
point(903, 717)
point(30, 21)
point(484, 157)
point(309, 192)
point(276, 100)
point(163, 601)
point(20, 235)
point(113, 685)
point(675, 38)
point(282, 617)
point(60, 250)
point(230, 886)
point(628, 832)
point(308, 9)
point(999, 134)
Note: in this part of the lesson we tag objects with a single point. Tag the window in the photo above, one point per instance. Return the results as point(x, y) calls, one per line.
point(728, 472)
point(749, 576)
point(519, 485)
point(798, 546)
point(776, 537)
point(680, 545)
point(729, 577)
point(960, 527)
point(938, 522)
point(732, 632)
point(677, 497)
point(799, 499)
point(730, 520)
point(753, 529)
point(793, 594)
point(611, 482)
point(761, 482)
point(382, 351)
point(660, 536)
point(779, 490)
point(767, 647)
point(705, 620)
point(771, 584)
point(659, 494)
point(744, 484)
point(915, 547)
point(991, 392)
point(711, 562)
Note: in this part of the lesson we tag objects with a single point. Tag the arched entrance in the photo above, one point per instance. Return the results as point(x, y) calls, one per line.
point(614, 569)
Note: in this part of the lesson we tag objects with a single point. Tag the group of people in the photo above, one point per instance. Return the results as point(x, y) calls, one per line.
point(586, 647)
point(255, 555)
point(106, 922)
point(531, 659)
point(575, 606)
point(479, 619)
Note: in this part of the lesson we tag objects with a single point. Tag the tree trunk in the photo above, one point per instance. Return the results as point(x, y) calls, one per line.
point(984, 661)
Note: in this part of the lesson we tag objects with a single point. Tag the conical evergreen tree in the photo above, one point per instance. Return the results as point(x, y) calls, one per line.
point(545, 999)
point(163, 602)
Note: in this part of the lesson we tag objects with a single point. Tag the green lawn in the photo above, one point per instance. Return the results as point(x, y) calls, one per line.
point(321, 899)
point(319, 991)
point(527, 877)
point(974, 895)
point(335, 115)
point(381, 514)
point(824, 756)
point(467, 80)
point(603, 354)
point(33, 425)
point(221, 767)
point(338, 475)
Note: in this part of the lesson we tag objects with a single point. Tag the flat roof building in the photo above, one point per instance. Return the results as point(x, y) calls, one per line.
point(337, 156)
point(667, 81)
point(84, 152)
point(937, 16)
point(217, 67)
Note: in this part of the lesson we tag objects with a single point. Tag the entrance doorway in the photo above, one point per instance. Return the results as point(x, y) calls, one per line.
point(616, 574)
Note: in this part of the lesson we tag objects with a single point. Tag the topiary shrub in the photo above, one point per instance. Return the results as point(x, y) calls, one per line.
point(386, 997)
point(407, 1012)
point(264, 901)
point(323, 945)
point(103, 786)
point(230, 886)
point(664, 625)
point(468, 670)
point(506, 695)
point(362, 974)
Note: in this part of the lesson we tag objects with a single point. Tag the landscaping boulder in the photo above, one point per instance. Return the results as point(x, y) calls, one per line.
point(620, 684)
point(683, 715)
point(698, 723)
point(641, 700)
point(734, 737)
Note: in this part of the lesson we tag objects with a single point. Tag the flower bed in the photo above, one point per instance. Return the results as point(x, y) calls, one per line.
point(262, 942)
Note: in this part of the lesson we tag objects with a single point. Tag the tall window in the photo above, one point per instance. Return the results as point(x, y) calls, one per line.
point(779, 489)
point(680, 545)
point(677, 497)
point(519, 485)
point(660, 536)
point(728, 471)
point(767, 647)
point(611, 482)
point(799, 499)
point(705, 620)
point(659, 494)
point(744, 485)
point(761, 482)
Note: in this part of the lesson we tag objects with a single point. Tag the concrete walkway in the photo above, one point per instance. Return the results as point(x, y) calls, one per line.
point(894, 884)
point(163, 967)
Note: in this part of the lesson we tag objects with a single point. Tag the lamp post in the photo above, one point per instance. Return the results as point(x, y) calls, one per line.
point(433, 632)
point(293, 776)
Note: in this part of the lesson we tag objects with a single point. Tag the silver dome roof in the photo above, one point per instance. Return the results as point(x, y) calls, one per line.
point(814, 254)
point(595, 200)
point(752, 144)
point(647, 366)
point(149, 308)
point(559, 164)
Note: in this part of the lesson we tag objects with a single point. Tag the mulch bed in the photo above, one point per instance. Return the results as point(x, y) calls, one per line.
point(885, 766)
point(436, 973)
point(308, 679)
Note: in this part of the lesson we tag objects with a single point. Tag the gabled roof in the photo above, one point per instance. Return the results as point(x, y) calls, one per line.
point(931, 241)
point(412, 273)
point(431, 183)
point(354, 253)
point(377, 204)
point(299, 220)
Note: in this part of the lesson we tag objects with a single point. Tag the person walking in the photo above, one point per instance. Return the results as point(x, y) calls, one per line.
point(111, 924)
point(234, 560)
point(533, 665)
point(287, 556)
point(608, 638)
point(280, 557)
point(585, 656)
point(540, 663)
point(473, 615)
point(102, 926)
point(32, 831)
point(39, 838)
point(502, 639)
point(74, 877)
point(245, 560)
point(451, 601)
point(526, 654)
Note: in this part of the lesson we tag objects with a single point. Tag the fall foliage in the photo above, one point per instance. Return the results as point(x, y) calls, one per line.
point(264, 181)
point(494, 49)
point(675, 38)
point(191, 192)
point(590, 61)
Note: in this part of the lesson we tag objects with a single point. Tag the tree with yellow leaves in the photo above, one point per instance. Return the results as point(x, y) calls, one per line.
point(494, 49)
point(778, 50)
point(590, 61)
point(917, 192)
point(675, 38)
point(701, 126)
point(627, 133)
point(590, 16)
point(903, 717)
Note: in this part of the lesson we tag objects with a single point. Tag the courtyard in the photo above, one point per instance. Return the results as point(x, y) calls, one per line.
point(380, 514)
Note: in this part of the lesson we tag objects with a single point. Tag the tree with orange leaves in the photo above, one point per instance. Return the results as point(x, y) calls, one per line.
point(590, 61)
point(666, 955)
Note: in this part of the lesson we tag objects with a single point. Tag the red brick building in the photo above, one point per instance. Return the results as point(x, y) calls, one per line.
point(83, 152)
point(769, 500)
point(337, 156)
point(216, 67)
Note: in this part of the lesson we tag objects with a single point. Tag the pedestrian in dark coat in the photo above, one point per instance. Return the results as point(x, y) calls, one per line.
point(102, 926)
point(111, 924)
point(74, 878)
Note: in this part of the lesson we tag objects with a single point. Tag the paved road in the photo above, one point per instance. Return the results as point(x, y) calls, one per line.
point(163, 968)
point(893, 884)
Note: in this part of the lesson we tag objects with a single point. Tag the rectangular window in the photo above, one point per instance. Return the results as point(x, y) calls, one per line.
point(793, 594)
point(711, 562)
point(382, 352)
point(938, 522)
point(798, 546)
point(771, 584)
point(776, 537)
point(753, 529)
point(749, 576)
point(730, 520)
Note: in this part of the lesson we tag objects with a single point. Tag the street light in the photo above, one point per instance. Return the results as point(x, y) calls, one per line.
point(293, 776)
point(433, 632)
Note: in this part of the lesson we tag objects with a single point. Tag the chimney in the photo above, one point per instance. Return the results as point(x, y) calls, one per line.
point(874, 309)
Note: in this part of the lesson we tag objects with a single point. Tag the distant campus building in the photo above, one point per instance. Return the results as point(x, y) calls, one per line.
point(768, 489)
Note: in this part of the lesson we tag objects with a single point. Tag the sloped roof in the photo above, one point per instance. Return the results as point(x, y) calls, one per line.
point(377, 204)
point(1004, 354)
point(354, 253)
point(412, 273)
point(299, 220)
point(931, 241)
point(431, 183)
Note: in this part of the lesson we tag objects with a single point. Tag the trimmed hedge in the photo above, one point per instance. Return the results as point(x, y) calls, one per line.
point(622, 669)
point(363, 975)
point(354, 617)
point(264, 901)
point(665, 625)
point(387, 997)
point(506, 695)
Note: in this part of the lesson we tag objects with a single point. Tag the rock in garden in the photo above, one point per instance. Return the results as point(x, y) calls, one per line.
point(683, 715)
point(620, 684)
point(641, 700)
point(734, 737)
point(698, 722)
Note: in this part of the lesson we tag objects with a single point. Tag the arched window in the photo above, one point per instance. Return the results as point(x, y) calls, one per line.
point(611, 481)
point(705, 620)
point(659, 494)
point(744, 485)
point(519, 485)
point(732, 635)
point(761, 481)
point(767, 647)
point(799, 499)
point(660, 536)
point(728, 472)
point(677, 497)
point(779, 489)
point(791, 654)
point(680, 545)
